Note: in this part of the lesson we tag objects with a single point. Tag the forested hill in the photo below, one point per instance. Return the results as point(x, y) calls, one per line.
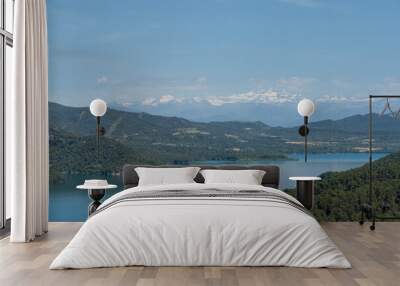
point(173, 138)
point(339, 194)
point(77, 154)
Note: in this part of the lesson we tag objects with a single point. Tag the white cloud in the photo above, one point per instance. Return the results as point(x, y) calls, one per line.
point(197, 99)
point(150, 101)
point(259, 96)
point(268, 96)
point(337, 99)
point(283, 91)
point(164, 99)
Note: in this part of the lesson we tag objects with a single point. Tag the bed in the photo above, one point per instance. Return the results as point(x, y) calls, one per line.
point(197, 224)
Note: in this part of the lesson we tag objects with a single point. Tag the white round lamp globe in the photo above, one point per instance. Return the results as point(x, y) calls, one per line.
point(305, 107)
point(98, 107)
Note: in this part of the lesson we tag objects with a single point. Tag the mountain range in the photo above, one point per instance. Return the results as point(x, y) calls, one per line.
point(256, 110)
point(138, 137)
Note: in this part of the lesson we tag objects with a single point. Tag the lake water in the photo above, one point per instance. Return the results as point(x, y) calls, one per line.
point(66, 203)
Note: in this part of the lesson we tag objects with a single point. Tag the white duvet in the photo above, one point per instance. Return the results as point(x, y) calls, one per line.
point(199, 231)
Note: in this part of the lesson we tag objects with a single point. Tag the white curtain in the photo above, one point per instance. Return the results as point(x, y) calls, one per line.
point(27, 124)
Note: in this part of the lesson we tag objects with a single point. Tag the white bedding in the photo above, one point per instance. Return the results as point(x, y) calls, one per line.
point(200, 231)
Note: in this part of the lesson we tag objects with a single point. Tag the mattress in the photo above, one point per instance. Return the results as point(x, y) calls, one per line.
point(201, 225)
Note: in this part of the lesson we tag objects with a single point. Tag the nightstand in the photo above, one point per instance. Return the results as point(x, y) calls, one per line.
point(305, 190)
point(96, 190)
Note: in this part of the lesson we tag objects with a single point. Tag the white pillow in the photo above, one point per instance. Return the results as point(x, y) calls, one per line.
point(165, 176)
point(248, 177)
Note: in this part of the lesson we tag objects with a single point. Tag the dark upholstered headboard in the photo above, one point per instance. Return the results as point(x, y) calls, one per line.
point(271, 178)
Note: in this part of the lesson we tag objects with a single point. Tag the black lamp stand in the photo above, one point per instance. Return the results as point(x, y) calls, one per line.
point(98, 139)
point(100, 131)
point(303, 131)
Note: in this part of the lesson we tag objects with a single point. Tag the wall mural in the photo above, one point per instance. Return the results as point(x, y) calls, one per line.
point(218, 82)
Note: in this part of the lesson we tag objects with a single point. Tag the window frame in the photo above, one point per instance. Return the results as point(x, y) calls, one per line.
point(6, 39)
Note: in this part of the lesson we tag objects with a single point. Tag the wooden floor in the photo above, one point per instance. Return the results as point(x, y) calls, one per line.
point(375, 257)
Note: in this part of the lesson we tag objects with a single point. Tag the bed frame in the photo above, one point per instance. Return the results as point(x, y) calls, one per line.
point(130, 178)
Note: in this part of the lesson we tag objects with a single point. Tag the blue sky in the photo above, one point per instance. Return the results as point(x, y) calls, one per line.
point(224, 59)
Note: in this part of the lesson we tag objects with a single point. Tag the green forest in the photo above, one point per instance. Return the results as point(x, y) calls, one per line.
point(340, 194)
